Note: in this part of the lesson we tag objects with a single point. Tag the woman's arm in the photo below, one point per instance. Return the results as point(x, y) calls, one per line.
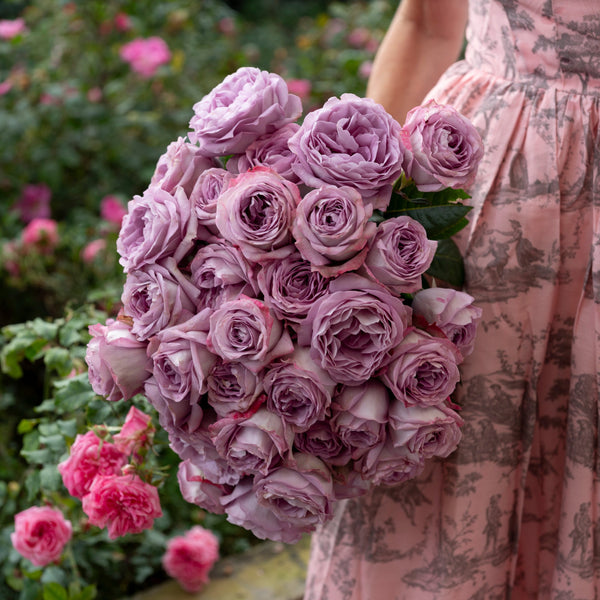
point(424, 38)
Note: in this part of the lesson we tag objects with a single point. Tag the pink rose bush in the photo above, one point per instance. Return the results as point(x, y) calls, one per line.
point(272, 311)
point(40, 534)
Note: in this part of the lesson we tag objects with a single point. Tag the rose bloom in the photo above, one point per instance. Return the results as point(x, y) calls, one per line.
point(244, 330)
point(112, 209)
point(353, 330)
point(40, 534)
point(428, 430)
point(155, 300)
point(181, 164)
point(245, 106)
point(10, 28)
point(91, 251)
point(351, 142)
point(145, 55)
point(125, 504)
point(34, 202)
point(322, 441)
point(443, 148)
point(399, 254)
point(204, 197)
point(41, 234)
point(122, 21)
point(197, 489)
point(300, 87)
point(452, 312)
point(270, 151)
point(332, 229)
point(117, 361)
point(290, 287)
point(157, 225)
point(424, 370)
point(136, 432)
point(190, 557)
point(256, 212)
point(89, 457)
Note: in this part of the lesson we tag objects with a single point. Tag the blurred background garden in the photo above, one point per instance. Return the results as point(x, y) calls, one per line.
point(91, 94)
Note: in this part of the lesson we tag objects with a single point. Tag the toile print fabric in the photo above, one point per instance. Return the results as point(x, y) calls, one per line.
point(514, 513)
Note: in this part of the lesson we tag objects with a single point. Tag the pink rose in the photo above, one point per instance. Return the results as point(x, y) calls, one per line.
point(146, 55)
point(117, 361)
point(443, 148)
point(125, 504)
point(136, 432)
point(34, 202)
point(92, 250)
point(41, 534)
point(332, 229)
point(322, 441)
point(204, 197)
point(197, 489)
point(10, 28)
point(190, 557)
point(41, 234)
point(452, 312)
point(300, 87)
point(122, 22)
point(89, 457)
point(112, 210)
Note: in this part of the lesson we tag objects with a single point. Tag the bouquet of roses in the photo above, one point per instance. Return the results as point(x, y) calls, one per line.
point(273, 312)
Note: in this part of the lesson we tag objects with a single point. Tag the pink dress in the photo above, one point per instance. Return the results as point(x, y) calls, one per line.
point(514, 513)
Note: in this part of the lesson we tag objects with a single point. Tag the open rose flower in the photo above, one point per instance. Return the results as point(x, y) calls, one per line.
point(89, 457)
point(204, 197)
point(190, 557)
point(196, 489)
point(180, 165)
point(34, 202)
point(245, 106)
point(443, 148)
point(352, 142)
point(136, 432)
point(298, 390)
point(145, 55)
point(386, 464)
point(452, 312)
point(245, 330)
point(117, 361)
point(158, 224)
point(269, 151)
point(359, 415)
point(154, 300)
point(253, 444)
point(41, 235)
point(322, 441)
point(221, 273)
point(256, 213)
point(332, 229)
point(428, 430)
point(232, 387)
point(125, 504)
point(424, 370)
point(290, 287)
point(353, 330)
point(399, 254)
point(40, 534)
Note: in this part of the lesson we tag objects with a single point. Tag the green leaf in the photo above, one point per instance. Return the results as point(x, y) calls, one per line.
point(87, 593)
point(447, 264)
point(27, 425)
point(55, 591)
point(59, 360)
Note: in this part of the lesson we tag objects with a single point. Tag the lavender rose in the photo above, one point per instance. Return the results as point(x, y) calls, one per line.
point(256, 212)
point(353, 329)
point(443, 148)
point(428, 430)
point(154, 299)
point(253, 444)
point(221, 273)
point(452, 312)
point(399, 254)
point(204, 196)
point(245, 330)
point(232, 388)
point(180, 165)
point(332, 229)
point(245, 106)
point(181, 360)
point(322, 441)
point(196, 489)
point(352, 142)
point(359, 415)
point(158, 224)
point(243, 509)
point(298, 390)
point(424, 370)
point(117, 361)
point(290, 287)
point(270, 151)
point(301, 494)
